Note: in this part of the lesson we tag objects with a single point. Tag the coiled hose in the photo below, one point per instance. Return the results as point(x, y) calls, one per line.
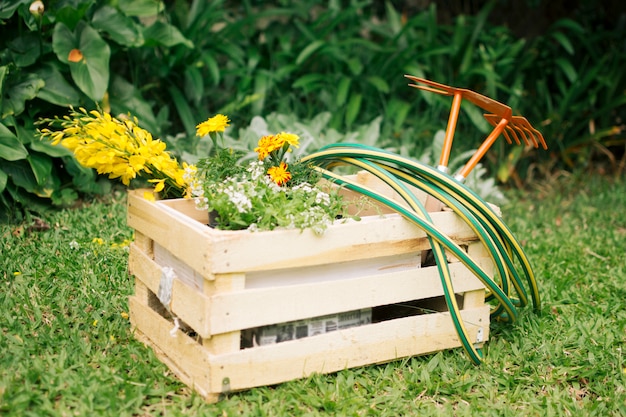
point(508, 291)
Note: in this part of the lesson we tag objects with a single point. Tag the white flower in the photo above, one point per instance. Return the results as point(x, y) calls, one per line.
point(74, 245)
point(36, 8)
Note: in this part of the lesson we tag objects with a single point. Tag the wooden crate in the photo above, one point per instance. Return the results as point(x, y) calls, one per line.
point(224, 283)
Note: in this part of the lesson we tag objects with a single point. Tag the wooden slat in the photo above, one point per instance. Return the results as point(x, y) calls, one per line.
point(358, 346)
point(209, 251)
point(188, 304)
point(294, 302)
point(183, 355)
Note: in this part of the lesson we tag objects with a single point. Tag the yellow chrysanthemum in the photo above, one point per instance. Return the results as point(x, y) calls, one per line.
point(217, 123)
point(289, 138)
point(266, 145)
point(279, 174)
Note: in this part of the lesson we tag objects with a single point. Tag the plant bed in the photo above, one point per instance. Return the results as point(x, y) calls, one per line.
point(211, 303)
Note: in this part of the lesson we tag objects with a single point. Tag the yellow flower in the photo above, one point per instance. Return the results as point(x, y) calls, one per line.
point(216, 123)
point(149, 195)
point(266, 145)
point(289, 138)
point(159, 185)
point(279, 174)
point(124, 315)
point(272, 143)
point(98, 240)
point(119, 148)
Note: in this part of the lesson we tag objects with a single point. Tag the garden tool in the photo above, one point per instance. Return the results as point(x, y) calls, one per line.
point(500, 116)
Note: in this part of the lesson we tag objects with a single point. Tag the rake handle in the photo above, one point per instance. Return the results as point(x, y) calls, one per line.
point(482, 150)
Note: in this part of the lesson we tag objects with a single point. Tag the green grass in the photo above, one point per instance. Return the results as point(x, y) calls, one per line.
point(67, 348)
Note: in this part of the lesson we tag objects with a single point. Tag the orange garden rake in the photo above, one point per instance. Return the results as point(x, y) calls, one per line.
point(500, 116)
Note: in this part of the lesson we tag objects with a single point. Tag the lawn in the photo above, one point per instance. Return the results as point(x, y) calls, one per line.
point(67, 345)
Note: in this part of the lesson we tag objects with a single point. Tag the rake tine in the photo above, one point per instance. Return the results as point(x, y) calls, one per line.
point(522, 132)
point(509, 131)
point(536, 135)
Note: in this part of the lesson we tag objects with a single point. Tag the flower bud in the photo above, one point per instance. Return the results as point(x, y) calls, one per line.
point(36, 8)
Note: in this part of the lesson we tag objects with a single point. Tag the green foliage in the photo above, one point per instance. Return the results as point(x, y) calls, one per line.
point(171, 64)
point(65, 55)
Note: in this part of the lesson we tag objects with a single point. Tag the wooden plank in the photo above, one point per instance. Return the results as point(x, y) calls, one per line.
point(358, 346)
point(187, 303)
point(183, 355)
point(179, 234)
point(229, 341)
point(294, 302)
point(208, 250)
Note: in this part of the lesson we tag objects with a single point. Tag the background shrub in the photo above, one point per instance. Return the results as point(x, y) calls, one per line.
point(174, 64)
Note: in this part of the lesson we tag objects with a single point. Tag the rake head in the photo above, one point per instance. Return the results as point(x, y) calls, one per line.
point(518, 127)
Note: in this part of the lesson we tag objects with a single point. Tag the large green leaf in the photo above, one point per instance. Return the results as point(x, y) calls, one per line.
point(21, 175)
point(141, 8)
point(25, 49)
point(11, 149)
point(41, 165)
point(48, 148)
point(161, 33)
point(7, 8)
point(56, 89)
point(126, 99)
point(91, 72)
point(122, 29)
point(15, 95)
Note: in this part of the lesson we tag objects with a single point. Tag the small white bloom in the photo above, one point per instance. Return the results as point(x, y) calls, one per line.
point(74, 245)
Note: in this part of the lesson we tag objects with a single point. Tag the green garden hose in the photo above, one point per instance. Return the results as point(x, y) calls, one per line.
point(398, 172)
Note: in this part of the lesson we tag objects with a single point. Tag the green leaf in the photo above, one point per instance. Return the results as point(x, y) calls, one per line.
point(567, 68)
point(141, 8)
point(15, 96)
point(161, 33)
point(71, 13)
point(354, 106)
point(7, 8)
point(355, 65)
point(11, 149)
point(342, 91)
point(21, 175)
point(25, 49)
point(91, 73)
point(45, 147)
point(308, 51)
point(184, 111)
point(3, 181)
point(41, 166)
point(122, 29)
point(126, 99)
point(194, 84)
point(309, 82)
point(4, 70)
point(56, 89)
point(564, 42)
point(380, 84)
point(212, 66)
